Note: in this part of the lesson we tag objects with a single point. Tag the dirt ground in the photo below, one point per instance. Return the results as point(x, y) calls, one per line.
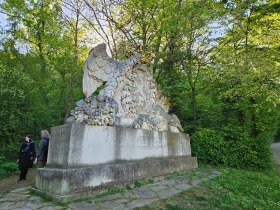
point(11, 183)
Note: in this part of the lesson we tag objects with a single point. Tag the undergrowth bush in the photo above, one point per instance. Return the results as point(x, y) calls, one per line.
point(232, 148)
point(208, 146)
point(7, 168)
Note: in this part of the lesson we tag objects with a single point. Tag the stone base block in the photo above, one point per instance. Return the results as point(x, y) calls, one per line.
point(82, 157)
point(61, 182)
point(78, 145)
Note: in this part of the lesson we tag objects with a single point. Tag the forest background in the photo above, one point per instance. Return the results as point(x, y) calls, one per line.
point(216, 61)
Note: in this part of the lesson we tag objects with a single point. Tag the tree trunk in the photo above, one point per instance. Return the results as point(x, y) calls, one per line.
point(194, 108)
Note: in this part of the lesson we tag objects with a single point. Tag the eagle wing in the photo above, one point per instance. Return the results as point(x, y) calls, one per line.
point(97, 69)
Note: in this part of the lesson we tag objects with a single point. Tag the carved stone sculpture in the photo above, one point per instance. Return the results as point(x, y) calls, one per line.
point(98, 148)
point(129, 98)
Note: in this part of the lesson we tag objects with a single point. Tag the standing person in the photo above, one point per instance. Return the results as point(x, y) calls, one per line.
point(26, 157)
point(43, 149)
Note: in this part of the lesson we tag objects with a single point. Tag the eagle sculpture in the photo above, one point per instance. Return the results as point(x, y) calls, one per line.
point(129, 97)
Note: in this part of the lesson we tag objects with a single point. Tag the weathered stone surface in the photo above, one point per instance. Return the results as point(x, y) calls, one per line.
point(83, 205)
point(24, 208)
point(23, 190)
point(34, 205)
point(211, 176)
point(109, 197)
point(129, 98)
point(129, 195)
point(52, 207)
point(140, 202)
point(82, 156)
point(113, 205)
point(3, 199)
point(167, 193)
point(217, 172)
point(17, 197)
point(123, 200)
point(168, 182)
point(5, 205)
point(17, 204)
point(158, 187)
point(196, 182)
point(182, 187)
point(71, 180)
point(35, 199)
point(183, 181)
point(144, 193)
point(83, 145)
point(101, 146)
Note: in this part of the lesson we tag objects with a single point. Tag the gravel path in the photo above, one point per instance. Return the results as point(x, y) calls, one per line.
point(275, 148)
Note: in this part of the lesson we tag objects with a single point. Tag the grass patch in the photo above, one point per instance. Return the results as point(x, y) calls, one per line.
point(48, 198)
point(45, 197)
point(140, 183)
point(234, 189)
point(245, 190)
point(118, 188)
point(110, 191)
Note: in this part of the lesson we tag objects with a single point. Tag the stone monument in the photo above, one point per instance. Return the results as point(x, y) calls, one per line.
point(120, 132)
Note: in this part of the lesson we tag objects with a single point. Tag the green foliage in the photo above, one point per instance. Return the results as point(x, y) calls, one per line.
point(40, 70)
point(7, 168)
point(15, 108)
point(234, 189)
point(45, 197)
point(244, 189)
point(216, 61)
point(114, 189)
point(208, 146)
point(277, 136)
point(234, 148)
point(140, 183)
point(111, 190)
point(174, 207)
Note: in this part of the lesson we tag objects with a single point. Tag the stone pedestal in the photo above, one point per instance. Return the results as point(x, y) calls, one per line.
point(84, 156)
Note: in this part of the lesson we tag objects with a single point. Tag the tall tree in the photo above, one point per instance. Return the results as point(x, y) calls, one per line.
point(43, 48)
point(247, 69)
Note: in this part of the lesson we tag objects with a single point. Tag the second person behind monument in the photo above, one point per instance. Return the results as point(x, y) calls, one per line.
point(43, 149)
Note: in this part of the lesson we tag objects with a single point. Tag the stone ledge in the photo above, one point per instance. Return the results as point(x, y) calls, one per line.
point(63, 183)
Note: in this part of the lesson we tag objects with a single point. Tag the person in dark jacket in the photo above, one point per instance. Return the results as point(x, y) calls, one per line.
point(26, 156)
point(42, 154)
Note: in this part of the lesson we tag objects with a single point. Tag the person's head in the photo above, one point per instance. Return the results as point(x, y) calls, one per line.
point(27, 137)
point(45, 134)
